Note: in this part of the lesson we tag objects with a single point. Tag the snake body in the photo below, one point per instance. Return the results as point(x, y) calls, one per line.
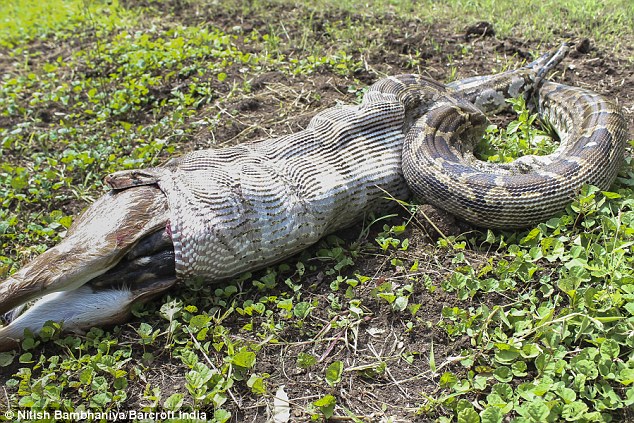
point(218, 213)
point(439, 165)
point(244, 207)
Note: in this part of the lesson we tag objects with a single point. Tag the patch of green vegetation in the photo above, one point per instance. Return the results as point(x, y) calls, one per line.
point(521, 137)
point(78, 116)
point(568, 329)
point(603, 21)
point(24, 21)
point(549, 316)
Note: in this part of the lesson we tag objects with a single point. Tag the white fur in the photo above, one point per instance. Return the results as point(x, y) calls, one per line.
point(75, 310)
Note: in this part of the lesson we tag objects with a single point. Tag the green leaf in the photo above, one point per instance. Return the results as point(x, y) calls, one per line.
point(173, 402)
point(144, 329)
point(305, 361)
point(199, 376)
point(513, 126)
point(302, 309)
point(256, 383)
point(244, 358)
point(400, 303)
point(6, 358)
point(100, 399)
point(447, 379)
point(188, 357)
point(389, 297)
point(626, 376)
point(199, 321)
point(530, 350)
point(333, 373)
point(506, 356)
point(611, 195)
point(26, 401)
point(567, 394)
point(574, 411)
point(326, 405)
point(286, 304)
point(468, 415)
point(609, 349)
point(230, 290)
point(629, 397)
point(491, 415)
point(66, 221)
point(120, 383)
point(519, 368)
point(538, 410)
point(504, 390)
point(480, 382)
point(413, 308)
point(221, 415)
point(27, 357)
point(503, 374)
point(571, 280)
point(86, 376)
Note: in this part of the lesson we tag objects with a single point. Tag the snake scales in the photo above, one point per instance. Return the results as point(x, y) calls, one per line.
point(439, 165)
point(222, 212)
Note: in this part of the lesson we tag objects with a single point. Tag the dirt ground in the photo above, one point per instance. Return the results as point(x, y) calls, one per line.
point(586, 66)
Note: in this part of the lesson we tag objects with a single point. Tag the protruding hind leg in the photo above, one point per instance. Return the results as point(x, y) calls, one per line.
point(107, 231)
point(103, 234)
point(82, 308)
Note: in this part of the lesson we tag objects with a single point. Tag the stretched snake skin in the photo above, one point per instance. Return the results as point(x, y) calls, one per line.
point(243, 207)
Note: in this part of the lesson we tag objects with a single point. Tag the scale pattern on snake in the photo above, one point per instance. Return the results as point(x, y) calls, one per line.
point(440, 167)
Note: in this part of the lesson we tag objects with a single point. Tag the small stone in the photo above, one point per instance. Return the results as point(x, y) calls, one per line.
point(479, 29)
point(583, 46)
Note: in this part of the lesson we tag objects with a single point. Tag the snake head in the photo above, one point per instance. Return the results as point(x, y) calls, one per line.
point(546, 63)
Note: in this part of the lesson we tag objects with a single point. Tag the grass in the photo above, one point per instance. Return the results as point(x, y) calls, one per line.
point(378, 323)
point(603, 21)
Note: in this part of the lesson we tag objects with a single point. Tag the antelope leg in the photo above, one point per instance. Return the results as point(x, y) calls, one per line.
point(102, 235)
point(82, 308)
